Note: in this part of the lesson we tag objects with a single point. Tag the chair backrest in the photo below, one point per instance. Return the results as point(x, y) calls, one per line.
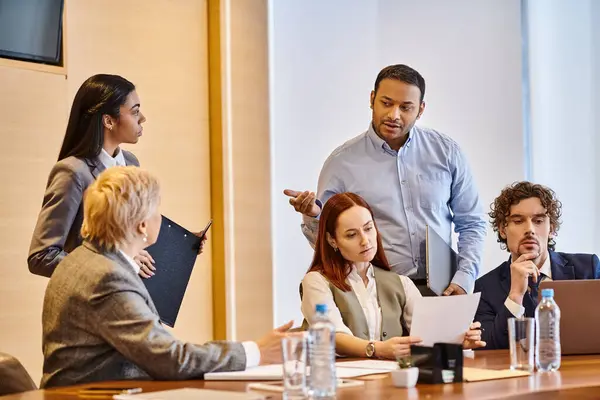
point(13, 376)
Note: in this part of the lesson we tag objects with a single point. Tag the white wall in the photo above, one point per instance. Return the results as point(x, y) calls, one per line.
point(324, 58)
point(564, 105)
point(596, 110)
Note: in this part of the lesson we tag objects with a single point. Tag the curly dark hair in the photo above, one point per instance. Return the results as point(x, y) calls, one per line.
point(514, 194)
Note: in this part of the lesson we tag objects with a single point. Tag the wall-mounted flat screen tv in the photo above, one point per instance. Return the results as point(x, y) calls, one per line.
point(31, 30)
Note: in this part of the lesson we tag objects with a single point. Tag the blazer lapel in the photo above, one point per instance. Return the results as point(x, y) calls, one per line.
point(561, 269)
point(96, 167)
point(505, 277)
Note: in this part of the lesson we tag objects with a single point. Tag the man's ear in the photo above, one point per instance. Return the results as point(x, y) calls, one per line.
point(421, 109)
point(502, 231)
point(372, 99)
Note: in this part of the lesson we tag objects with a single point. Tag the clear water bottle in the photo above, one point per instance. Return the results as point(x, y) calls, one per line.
point(547, 321)
point(321, 337)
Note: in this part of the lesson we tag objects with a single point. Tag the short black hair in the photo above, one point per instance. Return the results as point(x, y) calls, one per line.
point(403, 73)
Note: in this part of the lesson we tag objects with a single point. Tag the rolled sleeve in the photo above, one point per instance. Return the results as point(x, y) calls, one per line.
point(465, 280)
point(316, 291)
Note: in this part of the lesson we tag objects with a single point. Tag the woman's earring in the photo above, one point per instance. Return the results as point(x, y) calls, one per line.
point(145, 238)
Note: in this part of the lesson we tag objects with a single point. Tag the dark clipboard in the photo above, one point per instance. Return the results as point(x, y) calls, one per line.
point(174, 253)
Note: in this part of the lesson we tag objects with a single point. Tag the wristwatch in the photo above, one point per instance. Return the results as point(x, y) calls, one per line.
point(370, 350)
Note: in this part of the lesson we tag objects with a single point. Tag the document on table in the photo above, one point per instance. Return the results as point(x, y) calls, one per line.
point(191, 394)
point(275, 372)
point(479, 374)
point(369, 364)
point(443, 319)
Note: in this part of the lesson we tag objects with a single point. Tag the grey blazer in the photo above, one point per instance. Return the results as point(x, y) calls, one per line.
point(58, 226)
point(99, 323)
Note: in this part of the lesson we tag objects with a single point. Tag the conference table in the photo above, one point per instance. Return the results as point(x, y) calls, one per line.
point(578, 377)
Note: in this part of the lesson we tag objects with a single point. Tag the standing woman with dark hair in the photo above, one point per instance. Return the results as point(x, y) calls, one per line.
point(105, 114)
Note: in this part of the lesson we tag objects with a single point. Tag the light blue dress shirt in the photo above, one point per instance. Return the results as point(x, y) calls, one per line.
point(427, 182)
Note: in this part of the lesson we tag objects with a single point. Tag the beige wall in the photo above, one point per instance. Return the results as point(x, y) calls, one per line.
point(161, 46)
point(246, 168)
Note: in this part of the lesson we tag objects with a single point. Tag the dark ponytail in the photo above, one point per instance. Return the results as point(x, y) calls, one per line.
point(99, 95)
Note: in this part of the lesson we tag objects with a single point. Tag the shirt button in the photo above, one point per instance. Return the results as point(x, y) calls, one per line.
point(384, 334)
point(403, 182)
point(412, 233)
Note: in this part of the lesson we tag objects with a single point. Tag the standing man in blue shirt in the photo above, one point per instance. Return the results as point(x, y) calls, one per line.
point(410, 176)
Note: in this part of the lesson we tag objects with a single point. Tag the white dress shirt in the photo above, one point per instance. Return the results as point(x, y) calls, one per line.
point(251, 348)
point(517, 309)
point(109, 161)
point(316, 290)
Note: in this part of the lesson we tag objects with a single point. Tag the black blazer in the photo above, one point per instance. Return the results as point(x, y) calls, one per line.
point(495, 286)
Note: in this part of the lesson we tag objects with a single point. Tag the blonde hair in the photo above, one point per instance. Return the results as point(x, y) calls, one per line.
point(116, 203)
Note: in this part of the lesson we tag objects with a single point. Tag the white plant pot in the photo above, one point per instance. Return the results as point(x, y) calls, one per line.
point(406, 377)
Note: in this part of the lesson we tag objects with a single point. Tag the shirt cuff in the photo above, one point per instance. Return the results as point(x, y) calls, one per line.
point(252, 354)
point(515, 309)
point(308, 219)
point(464, 280)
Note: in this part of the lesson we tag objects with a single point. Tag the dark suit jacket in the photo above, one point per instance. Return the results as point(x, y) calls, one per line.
point(99, 323)
point(495, 286)
point(57, 231)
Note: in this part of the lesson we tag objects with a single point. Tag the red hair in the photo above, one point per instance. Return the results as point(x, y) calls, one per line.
point(330, 262)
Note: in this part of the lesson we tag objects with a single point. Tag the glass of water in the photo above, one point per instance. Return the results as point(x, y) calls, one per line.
point(294, 348)
point(521, 334)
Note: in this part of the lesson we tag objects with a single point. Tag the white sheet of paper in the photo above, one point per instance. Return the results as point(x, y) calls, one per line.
point(369, 364)
point(443, 319)
point(275, 372)
point(191, 394)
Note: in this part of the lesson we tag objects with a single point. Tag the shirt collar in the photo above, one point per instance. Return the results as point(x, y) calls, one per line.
point(131, 262)
point(379, 143)
point(109, 161)
point(546, 267)
point(370, 272)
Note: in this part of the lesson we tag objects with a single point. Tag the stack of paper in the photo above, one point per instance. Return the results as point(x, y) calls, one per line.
point(275, 372)
point(369, 364)
point(479, 374)
point(191, 394)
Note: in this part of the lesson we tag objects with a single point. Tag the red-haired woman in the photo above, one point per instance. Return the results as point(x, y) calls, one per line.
point(370, 306)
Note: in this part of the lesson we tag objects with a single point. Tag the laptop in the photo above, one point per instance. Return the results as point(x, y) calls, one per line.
point(441, 262)
point(579, 302)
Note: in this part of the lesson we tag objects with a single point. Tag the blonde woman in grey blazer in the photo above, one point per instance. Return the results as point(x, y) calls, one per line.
point(105, 114)
point(99, 322)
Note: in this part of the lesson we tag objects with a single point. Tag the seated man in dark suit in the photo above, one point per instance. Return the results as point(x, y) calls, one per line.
point(526, 218)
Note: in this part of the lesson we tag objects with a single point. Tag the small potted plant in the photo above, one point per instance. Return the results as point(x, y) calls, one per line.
point(406, 375)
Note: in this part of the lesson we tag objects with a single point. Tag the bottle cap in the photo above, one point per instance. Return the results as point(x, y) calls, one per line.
point(321, 308)
point(547, 292)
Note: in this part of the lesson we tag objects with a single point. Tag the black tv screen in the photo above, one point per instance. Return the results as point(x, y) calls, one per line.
point(31, 30)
